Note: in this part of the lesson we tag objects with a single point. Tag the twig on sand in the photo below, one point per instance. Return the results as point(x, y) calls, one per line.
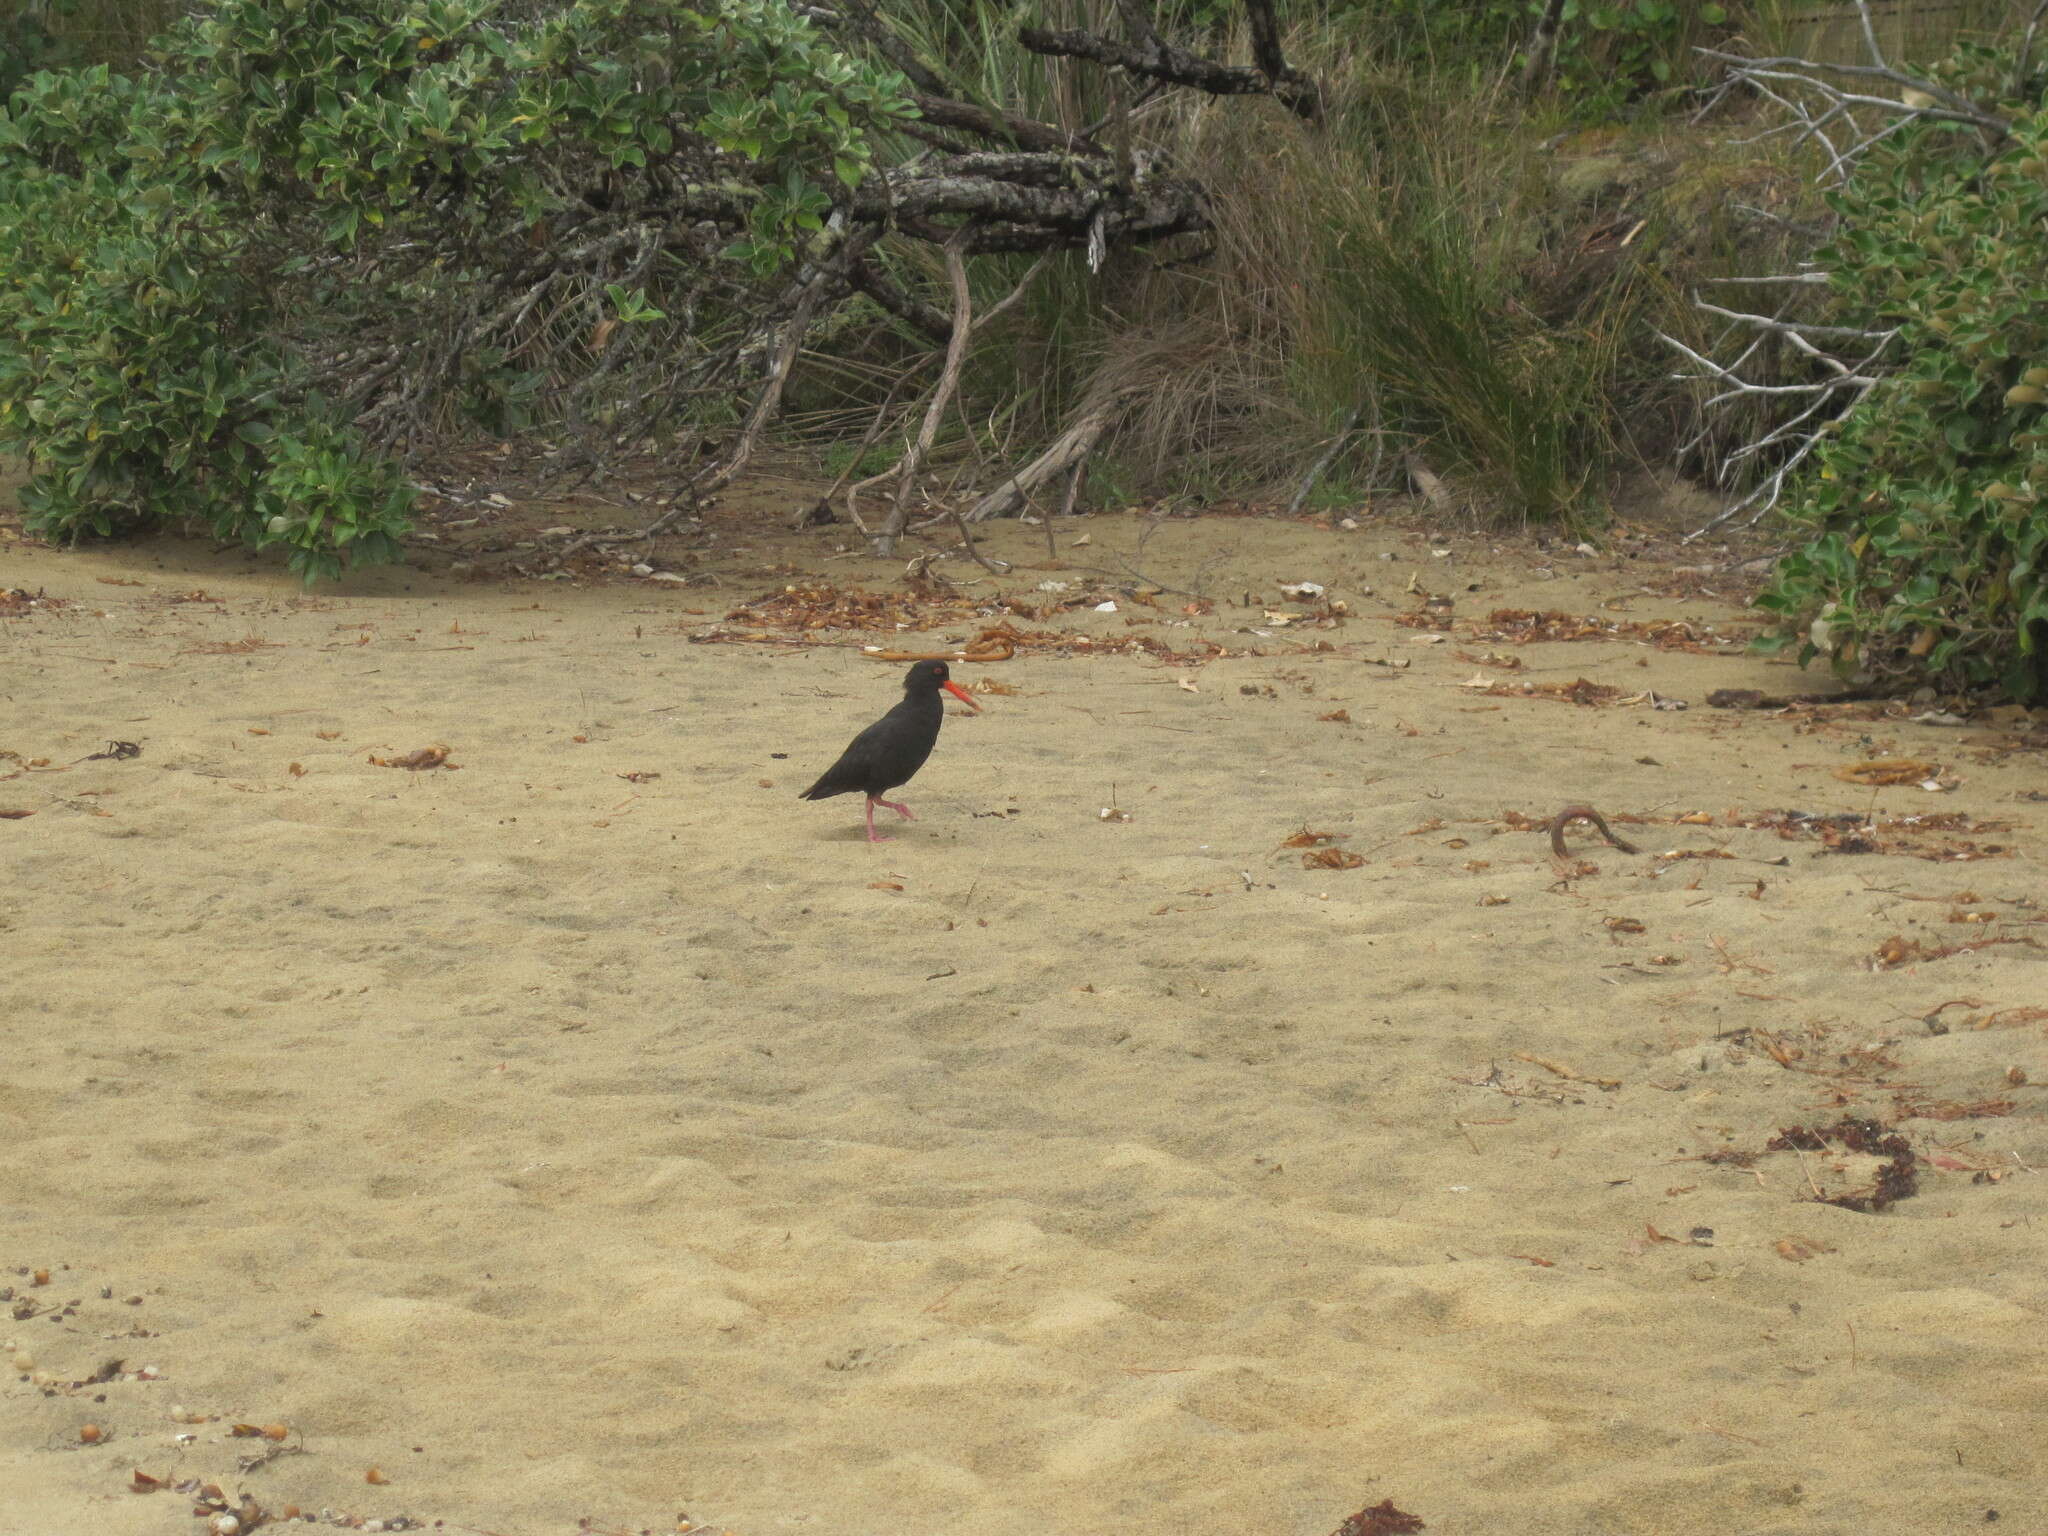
point(1606, 1084)
point(1796, 1152)
point(267, 1455)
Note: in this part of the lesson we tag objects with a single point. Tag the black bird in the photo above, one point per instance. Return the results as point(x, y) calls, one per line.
point(890, 751)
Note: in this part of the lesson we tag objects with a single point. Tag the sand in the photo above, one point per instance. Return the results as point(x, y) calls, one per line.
point(571, 1147)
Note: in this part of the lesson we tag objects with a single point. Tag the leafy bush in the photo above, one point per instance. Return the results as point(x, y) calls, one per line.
point(231, 286)
point(1925, 518)
point(135, 380)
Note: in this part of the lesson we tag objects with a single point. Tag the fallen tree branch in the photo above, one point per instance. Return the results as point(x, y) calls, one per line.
point(1149, 54)
point(769, 400)
point(868, 279)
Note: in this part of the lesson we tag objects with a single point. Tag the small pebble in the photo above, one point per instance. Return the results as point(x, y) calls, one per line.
point(227, 1525)
point(24, 1361)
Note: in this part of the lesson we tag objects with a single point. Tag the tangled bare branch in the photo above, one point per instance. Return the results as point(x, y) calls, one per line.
point(1845, 362)
point(1820, 402)
point(1819, 109)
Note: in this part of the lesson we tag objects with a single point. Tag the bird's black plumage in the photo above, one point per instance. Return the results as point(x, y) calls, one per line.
point(890, 751)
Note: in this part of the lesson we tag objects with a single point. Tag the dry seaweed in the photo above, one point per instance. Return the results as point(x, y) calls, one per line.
point(1896, 1180)
point(1899, 950)
point(1307, 837)
point(827, 607)
point(17, 601)
point(1888, 772)
point(1331, 858)
point(435, 756)
point(1382, 1519)
point(1522, 626)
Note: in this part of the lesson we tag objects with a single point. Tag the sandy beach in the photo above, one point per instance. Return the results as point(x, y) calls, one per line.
point(588, 1130)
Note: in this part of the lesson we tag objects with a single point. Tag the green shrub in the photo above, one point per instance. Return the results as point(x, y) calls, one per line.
point(1925, 516)
point(210, 274)
point(134, 378)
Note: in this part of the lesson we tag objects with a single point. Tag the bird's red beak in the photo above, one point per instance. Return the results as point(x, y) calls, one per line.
point(962, 695)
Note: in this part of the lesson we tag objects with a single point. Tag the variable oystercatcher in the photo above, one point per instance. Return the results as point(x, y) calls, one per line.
point(891, 750)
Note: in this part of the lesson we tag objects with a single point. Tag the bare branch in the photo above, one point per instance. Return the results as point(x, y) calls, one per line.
point(949, 379)
point(1542, 48)
point(1300, 93)
point(1809, 279)
point(868, 278)
point(1827, 399)
point(1097, 414)
point(963, 325)
point(1796, 331)
point(1853, 360)
point(1941, 103)
point(1152, 55)
point(1329, 456)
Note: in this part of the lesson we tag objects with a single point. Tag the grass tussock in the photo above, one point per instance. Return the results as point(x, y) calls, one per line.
point(1445, 269)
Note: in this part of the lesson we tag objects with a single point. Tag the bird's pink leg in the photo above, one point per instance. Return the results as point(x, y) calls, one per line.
point(873, 835)
point(900, 810)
